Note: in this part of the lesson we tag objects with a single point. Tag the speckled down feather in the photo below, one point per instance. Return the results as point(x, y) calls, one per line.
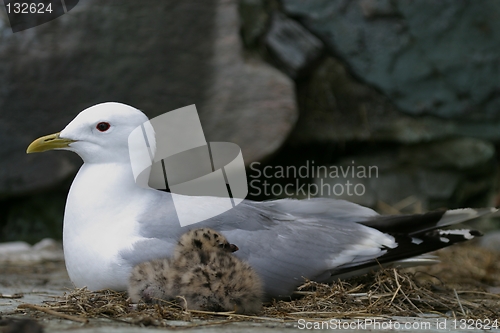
point(202, 275)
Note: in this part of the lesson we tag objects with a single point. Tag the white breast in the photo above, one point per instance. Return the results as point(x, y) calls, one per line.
point(98, 225)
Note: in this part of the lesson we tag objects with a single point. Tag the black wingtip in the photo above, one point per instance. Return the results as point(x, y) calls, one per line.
point(476, 233)
point(409, 246)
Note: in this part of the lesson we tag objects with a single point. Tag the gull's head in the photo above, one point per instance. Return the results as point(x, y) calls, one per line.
point(98, 134)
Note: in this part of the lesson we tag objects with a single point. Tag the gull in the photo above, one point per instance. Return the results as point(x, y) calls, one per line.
point(203, 274)
point(111, 224)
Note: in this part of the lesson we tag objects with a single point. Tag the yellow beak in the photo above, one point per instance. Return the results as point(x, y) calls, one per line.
point(48, 142)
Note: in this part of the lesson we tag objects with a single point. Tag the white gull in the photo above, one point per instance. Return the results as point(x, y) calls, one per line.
point(111, 224)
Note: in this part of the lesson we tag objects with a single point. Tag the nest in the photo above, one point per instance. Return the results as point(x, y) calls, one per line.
point(465, 285)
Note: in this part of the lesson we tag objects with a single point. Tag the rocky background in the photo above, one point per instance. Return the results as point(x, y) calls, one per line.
point(410, 87)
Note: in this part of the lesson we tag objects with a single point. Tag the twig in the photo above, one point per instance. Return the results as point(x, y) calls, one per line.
point(459, 303)
point(232, 314)
point(323, 313)
point(366, 296)
point(304, 292)
point(397, 290)
point(416, 307)
point(402, 292)
point(352, 291)
point(477, 292)
point(52, 312)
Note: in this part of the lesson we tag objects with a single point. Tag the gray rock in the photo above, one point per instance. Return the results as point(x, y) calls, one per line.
point(294, 48)
point(22, 253)
point(457, 154)
point(249, 102)
point(454, 173)
point(338, 108)
point(429, 57)
point(414, 80)
point(100, 51)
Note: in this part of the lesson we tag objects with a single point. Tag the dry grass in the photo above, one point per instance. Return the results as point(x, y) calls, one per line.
point(465, 285)
point(389, 292)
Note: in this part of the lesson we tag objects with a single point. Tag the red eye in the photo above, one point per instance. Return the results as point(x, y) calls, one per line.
point(103, 127)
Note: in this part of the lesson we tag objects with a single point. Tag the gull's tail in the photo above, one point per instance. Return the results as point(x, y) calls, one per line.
point(416, 235)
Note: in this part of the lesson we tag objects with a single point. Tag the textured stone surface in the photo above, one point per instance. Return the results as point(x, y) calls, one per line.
point(249, 102)
point(451, 173)
point(21, 253)
point(405, 86)
point(101, 51)
point(429, 57)
point(294, 48)
point(338, 108)
point(459, 154)
point(156, 56)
